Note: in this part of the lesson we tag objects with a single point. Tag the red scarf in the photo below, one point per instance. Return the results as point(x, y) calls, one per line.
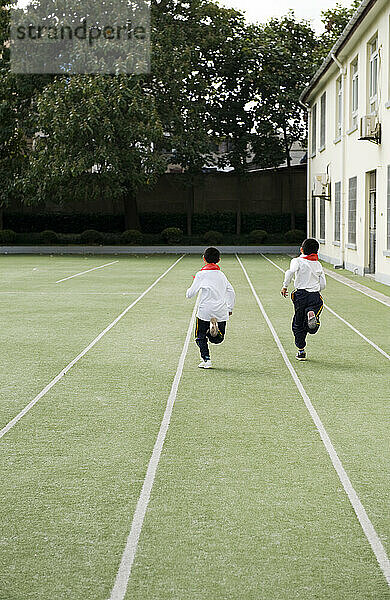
point(209, 267)
point(311, 257)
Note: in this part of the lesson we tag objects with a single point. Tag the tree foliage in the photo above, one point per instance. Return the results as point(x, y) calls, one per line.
point(334, 21)
point(213, 78)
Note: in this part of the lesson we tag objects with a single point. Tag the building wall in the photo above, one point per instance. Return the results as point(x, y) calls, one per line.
point(345, 156)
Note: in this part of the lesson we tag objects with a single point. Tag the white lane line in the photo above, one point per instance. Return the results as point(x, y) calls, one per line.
point(124, 571)
point(88, 271)
point(366, 339)
point(72, 293)
point(359, 287)
point(367, 526)
point(75, 360)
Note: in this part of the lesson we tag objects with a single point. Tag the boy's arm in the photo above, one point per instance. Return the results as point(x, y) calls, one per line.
point(230, 296)
point(194, 289)
point(294, 266)
point(322, 280)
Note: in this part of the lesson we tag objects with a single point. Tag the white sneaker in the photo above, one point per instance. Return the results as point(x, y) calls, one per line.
point(213, 327)
point(205, 364)
point(311, 319)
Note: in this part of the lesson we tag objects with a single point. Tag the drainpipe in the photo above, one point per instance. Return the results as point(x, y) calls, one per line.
point(343, 199)
point(309, 207)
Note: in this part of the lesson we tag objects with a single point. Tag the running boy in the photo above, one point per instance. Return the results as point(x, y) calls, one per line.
point(308, 303)
point(216, 304)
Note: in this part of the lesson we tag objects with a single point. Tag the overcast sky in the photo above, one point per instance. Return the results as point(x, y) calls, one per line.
point(261, 10)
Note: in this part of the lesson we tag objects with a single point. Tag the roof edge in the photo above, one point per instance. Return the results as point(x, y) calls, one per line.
point(352, 25)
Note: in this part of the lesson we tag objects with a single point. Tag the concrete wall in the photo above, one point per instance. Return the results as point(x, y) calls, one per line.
point(263, 192)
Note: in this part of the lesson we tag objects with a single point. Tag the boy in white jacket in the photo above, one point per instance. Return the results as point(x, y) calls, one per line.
point(308, 302)
point(216, 304)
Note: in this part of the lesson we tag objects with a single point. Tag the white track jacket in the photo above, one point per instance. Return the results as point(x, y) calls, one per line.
point(217, 298)
point(309, 275)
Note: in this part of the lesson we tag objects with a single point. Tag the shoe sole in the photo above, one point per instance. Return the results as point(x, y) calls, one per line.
point(311, 319)
point(204, 367)
point(301, 359)
point(213, 327)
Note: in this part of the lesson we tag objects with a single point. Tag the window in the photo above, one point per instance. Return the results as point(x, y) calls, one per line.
point(323, 121)
point(352, 210)
point(313, 217)
point(337, 211)
point(373, 74)
point(339, 106)
point(388, 207)
point(314, 130)
point(322, 219)
point(354, 92)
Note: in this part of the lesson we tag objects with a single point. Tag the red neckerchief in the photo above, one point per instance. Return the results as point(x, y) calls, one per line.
point(311, 257)
point(209, 267)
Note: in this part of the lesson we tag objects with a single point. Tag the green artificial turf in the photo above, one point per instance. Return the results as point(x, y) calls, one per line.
point(246, 503)
point(364, 280)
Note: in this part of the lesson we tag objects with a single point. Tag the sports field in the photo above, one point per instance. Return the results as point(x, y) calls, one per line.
point(127, 472)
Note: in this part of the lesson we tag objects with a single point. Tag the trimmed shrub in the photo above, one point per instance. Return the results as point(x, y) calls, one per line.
point(156, 222)
point(213, 237)
point(258, 236)
point(49, 237)
point(295, 236)
point(7, 236)
point(172, 235)
point(131, 237)
point(222, 221)
point(111, 239)
point(90, 236)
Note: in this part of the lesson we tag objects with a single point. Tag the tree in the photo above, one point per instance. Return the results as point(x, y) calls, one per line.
point(286, 49)
point(17, 93)
point(192, 42)
point(96, 124)
point(335, 20)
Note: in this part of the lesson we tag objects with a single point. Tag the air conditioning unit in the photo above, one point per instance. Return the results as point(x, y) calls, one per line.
point(370, 129)
point(321, 186)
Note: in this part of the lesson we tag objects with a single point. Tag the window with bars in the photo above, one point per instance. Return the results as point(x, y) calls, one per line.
point(313, 217)
point(373, 74)
point(314, 130)
point(354, 92)
point(322, 219)
point(388, 207)
point(337, 211)
point(323, 121)
point(352, 195)
point(339, 106)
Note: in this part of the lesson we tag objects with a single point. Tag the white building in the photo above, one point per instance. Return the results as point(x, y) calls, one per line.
point(349, 177)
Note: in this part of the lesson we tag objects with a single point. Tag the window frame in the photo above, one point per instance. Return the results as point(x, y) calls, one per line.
point(339, 107)
point(352, 211)
point(354, 92)
point(313, 216)
point(373, 59)
point(337, 212)
point(322, 220)
point(314, 130)
point(388, 208)
point(322, 121)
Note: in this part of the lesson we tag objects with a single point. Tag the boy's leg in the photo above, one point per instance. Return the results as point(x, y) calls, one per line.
point(218, 339)
point(201, 329)
point(315, 304)
point(299, 322)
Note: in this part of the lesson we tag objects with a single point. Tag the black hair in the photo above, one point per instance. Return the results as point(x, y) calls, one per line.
point(212, 255)
point(310, 246)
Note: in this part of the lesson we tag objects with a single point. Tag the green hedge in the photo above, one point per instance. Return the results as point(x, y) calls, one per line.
point(152, 223)
point(75, 223)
